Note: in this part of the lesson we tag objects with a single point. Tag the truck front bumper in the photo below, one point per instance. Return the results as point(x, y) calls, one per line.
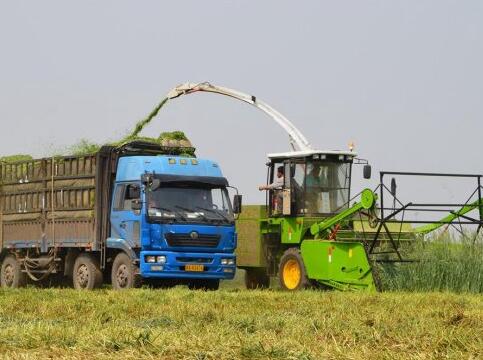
point(183, 265)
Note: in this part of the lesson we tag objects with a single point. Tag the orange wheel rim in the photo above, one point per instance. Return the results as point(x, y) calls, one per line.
point(291, 274)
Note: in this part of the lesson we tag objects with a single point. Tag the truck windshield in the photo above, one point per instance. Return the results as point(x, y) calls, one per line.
point(190, 204)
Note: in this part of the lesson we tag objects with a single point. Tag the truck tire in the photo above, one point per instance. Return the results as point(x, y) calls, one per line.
point(204, 284)
point(11, 275)
point(256, 278)
point(124, 274)
point(86, 274)
point(291, 271)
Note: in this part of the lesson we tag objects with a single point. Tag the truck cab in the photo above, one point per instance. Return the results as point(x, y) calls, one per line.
point(173, 216)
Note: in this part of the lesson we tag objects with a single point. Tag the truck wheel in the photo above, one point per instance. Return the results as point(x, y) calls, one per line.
point(11, 274)
point(291, 271)
point(124, 274)
point(256, 278)
point(86, 274)
point(204, 284)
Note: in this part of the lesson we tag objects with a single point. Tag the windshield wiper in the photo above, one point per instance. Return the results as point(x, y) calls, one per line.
point(183, 208)
point(215, 212)
point(184, 218)
point(191, 211)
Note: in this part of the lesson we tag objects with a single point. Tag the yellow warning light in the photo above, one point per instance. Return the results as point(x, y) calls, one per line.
point(351, 146)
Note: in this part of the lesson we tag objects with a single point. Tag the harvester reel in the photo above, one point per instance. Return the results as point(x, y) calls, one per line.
point(372, 218)
point(367, 199)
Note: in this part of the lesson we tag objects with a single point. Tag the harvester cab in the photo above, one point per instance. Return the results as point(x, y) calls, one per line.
point(316, 183)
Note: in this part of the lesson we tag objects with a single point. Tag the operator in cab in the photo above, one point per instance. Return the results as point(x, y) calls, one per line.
point(277, 187)
point(277, 182)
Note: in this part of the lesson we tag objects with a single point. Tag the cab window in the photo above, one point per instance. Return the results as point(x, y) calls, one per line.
point(124, 195)
point(327, 186)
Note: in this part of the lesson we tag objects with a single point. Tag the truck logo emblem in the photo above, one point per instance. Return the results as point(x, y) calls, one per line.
point(194, 235)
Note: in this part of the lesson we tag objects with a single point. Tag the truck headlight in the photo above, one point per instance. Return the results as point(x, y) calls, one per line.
point(227, 261)
point(161, 259)
point(150, 259)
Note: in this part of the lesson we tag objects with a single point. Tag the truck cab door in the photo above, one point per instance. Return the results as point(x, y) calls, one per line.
point(126, 222)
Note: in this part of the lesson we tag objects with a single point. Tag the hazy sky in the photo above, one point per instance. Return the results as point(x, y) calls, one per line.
point(402, 79)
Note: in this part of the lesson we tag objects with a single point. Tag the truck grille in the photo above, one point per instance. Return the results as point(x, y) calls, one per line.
point(202, 240)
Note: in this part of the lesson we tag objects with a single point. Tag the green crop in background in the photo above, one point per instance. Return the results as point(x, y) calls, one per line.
point(443, 264)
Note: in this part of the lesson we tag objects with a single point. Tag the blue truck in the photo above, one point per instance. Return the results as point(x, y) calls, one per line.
point(127, 215)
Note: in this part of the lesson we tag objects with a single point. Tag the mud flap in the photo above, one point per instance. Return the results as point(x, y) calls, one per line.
point(338, 264)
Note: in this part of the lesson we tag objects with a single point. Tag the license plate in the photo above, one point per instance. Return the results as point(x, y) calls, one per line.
point(194, 267)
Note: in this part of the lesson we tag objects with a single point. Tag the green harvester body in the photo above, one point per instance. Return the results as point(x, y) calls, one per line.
point(339, 264)
point(330, 244)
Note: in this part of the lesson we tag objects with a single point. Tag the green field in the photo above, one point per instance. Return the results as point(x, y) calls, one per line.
point(232, 323)
point(433, 309)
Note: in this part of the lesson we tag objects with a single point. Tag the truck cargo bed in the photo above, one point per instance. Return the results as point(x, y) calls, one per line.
point(55, 202)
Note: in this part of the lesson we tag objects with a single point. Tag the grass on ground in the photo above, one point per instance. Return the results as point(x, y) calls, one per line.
point(232, 323)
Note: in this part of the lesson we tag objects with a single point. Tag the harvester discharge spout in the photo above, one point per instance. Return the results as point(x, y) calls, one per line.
point(297, 139)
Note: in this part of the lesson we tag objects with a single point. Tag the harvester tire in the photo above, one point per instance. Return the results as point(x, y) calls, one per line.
point(124, 274)
point(256, 278)
point(291, 271)
point(86, 274)
point(11, 275)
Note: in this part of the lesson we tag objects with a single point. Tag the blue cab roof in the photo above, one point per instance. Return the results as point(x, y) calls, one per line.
point(131, 168)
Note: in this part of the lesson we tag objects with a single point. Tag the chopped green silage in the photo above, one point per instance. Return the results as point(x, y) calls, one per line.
point(15, 158)
point(177, 142)
point(144, 122)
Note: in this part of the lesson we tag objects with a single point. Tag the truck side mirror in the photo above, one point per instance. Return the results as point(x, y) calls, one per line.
point(136, 205)
point(237, 204)
point(367, 171)
point(155, 184)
